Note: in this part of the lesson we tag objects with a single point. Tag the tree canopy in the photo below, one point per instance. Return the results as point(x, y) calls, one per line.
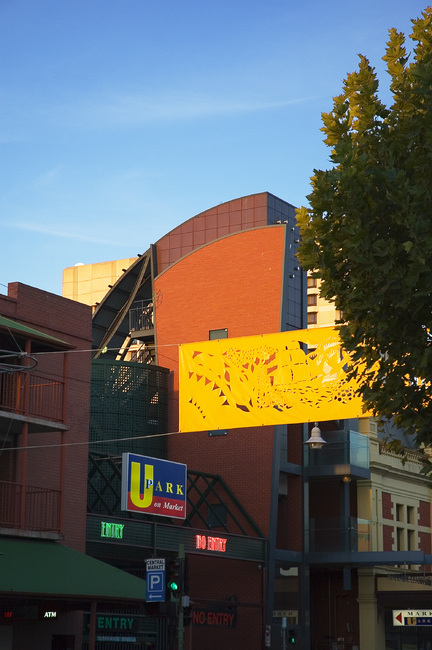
point(368, 231)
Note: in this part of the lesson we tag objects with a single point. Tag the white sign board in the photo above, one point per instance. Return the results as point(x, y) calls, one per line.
point(412, 617)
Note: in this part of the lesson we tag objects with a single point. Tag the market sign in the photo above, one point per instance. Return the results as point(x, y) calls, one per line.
point(153, 486)
point(412, 617)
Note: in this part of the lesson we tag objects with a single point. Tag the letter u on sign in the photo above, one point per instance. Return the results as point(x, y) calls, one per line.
point(135, 495)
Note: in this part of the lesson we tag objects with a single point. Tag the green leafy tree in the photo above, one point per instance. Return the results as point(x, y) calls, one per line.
point(368, 232)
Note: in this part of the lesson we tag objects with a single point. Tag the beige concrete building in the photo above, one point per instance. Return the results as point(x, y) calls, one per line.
point(89, 283)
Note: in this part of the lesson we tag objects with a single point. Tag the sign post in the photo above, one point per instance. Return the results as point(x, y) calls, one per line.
point(180, 620)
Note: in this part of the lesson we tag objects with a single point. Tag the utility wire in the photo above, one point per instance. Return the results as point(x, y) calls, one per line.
point(95, 442)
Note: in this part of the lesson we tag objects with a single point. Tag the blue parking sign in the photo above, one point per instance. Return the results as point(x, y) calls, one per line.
point(155, 581)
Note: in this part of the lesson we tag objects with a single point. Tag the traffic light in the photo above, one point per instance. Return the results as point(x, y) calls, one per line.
point(173, 580)
point(292, 637)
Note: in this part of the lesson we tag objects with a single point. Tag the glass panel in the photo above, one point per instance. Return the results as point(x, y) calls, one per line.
point(342, 448)
point(331, 534)
point(359, 449)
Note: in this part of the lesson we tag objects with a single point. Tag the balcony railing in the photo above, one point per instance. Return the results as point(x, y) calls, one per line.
point(45, 395)
point(336, 534)
point(42, 507)
point(141, 316)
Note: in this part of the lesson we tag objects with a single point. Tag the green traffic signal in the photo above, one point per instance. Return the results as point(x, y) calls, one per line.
point(174, 576)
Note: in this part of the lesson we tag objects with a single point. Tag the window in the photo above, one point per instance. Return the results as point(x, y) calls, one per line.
point(410, 515)
point(311, 283)
point(400, 512)
point(400, 539)
point(218, 334)
point(312, 300)
point(312, 318)
point(217, 515)
point(411, 539)
point(405, 533)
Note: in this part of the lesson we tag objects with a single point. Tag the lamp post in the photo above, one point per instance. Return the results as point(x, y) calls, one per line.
point(315, 441)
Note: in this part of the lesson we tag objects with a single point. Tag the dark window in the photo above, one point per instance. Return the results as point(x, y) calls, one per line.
point(217, 515)
point(218, 334)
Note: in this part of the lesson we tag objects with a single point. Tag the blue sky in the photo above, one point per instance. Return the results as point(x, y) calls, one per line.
point(120, 119)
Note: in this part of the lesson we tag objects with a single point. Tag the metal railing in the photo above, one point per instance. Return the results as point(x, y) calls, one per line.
point(42, 507)
point(141, 316)
point(45, 395)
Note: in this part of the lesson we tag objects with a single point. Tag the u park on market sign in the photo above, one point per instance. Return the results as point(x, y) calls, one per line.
point(153, 486)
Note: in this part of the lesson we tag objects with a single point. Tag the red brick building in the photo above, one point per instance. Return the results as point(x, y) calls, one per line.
point(46, 580)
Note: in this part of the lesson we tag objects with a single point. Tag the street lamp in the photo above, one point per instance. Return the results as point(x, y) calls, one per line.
point(315, 441)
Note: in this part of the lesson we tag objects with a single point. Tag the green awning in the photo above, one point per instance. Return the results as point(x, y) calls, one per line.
point(34, 568)
point(17, 328)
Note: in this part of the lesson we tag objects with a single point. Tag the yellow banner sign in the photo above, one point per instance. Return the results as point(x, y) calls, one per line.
point(263, 380)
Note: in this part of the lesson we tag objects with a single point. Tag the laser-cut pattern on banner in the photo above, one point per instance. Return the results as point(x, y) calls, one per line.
point(251, 381)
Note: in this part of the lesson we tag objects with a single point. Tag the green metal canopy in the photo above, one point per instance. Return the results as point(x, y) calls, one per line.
point(34, 568)
point(18, 328)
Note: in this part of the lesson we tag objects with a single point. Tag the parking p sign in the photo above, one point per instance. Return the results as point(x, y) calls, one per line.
point(155, 580)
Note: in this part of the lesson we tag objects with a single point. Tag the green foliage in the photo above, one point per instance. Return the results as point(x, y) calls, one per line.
point(368, 232)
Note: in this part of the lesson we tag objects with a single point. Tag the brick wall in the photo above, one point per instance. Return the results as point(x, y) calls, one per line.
point(425, 542)
point(424, 513)
point(219, 221)
point(70, 322)
point(387, 538)
point(232, 283)
point(213, 580)
point(387, 506)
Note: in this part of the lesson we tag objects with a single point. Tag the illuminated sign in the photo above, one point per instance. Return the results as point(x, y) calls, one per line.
point(50, 615)
point(123, 623)
point(114, 531)
point(208, 543)
point(153, 486)
point(222, 617)
point(414, 617)
point(8, 616)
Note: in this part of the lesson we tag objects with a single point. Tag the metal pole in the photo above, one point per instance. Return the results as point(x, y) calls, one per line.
point(180, 609)
point(92, 631)
point(283, 633)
